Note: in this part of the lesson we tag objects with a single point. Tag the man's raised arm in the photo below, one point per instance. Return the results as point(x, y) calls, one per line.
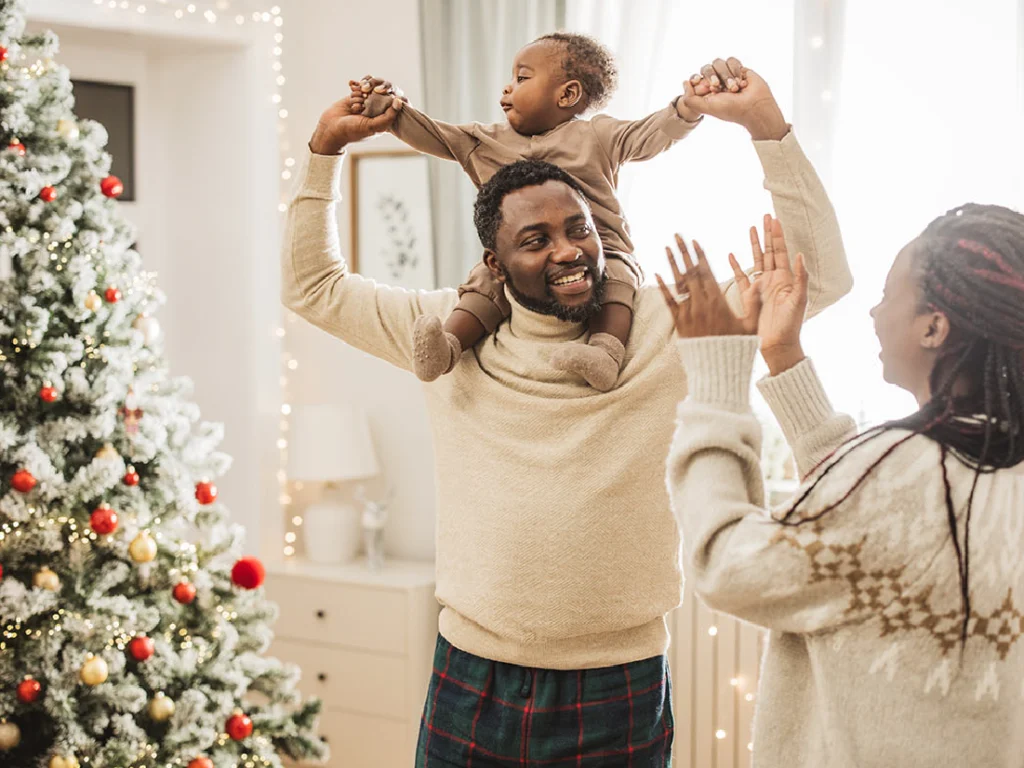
point(799, 198)
point(315, 280)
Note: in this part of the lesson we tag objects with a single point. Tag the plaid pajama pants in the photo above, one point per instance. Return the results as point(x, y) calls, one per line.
point(486, 714)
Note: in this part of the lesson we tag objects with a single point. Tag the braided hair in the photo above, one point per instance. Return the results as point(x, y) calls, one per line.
point(970, 267)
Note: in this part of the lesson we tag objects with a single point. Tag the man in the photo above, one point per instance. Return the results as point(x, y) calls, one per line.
point(557, 551)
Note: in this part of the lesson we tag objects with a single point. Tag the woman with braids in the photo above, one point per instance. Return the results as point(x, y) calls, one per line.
point(893, 581)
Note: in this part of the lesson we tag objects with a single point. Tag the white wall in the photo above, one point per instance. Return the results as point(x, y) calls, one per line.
point(326, 44)
point(206, 167)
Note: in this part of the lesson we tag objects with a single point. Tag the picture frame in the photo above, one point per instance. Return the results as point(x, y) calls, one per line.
point(392, 229)
point(112, 105)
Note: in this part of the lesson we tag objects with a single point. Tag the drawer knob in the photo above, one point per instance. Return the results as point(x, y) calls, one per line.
point(322, 677)
point(321, 614)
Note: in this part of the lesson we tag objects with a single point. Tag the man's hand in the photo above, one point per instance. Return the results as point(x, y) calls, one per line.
point(343, 123)
point(701, 309)
point(376, 94)
point(745, 99)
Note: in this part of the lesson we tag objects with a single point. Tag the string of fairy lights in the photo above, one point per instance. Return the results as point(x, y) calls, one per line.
point(228, 12)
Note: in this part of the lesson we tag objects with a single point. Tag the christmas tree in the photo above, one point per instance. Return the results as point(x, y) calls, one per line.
point(131, 629)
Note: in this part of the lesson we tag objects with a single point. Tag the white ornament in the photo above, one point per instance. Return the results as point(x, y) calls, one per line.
point(10, 736)
point(68, 129)
point(148, 326)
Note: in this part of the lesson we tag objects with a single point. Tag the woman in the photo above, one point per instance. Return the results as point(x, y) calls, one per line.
point(893, 581)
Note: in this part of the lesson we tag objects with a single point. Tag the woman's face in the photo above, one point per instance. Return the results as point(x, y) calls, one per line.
point(910, 333)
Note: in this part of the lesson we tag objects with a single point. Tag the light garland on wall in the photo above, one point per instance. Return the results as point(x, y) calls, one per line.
point(226, 12)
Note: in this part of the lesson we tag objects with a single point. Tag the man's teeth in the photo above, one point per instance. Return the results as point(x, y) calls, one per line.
point(578, 277)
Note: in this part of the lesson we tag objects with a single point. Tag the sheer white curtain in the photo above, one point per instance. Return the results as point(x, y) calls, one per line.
point(931, 116)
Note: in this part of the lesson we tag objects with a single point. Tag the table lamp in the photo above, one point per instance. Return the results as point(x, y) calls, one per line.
point(330, 444)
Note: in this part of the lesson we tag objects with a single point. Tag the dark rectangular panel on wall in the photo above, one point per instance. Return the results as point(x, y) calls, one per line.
point(113, 105)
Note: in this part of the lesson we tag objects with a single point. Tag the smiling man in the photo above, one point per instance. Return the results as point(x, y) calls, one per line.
point(558, 556)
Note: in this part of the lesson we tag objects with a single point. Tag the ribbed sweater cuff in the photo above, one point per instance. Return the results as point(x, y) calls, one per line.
point(321, 176)
point(719, 368)
point(779, 157)
point(797, 398)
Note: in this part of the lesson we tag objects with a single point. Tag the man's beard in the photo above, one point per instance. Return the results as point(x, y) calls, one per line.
point(552, 306)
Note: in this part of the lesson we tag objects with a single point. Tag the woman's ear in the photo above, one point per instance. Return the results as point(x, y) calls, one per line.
point(492, 263)
point(571, 95)
point(937, 331)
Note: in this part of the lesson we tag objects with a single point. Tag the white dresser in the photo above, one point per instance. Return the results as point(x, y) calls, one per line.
point(364, 641)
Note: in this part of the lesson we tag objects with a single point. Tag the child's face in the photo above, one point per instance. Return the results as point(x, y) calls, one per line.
point(531, 100)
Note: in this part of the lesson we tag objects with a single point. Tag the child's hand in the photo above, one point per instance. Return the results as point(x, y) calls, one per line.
point(374, 94)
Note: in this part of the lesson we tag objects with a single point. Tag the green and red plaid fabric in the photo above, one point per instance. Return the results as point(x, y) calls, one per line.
point(486, 714)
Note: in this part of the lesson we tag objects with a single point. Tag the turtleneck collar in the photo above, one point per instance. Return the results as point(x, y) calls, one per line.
point(527, 324)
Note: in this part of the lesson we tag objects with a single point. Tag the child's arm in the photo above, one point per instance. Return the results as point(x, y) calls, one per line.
point(422, 133)
point(632, 140)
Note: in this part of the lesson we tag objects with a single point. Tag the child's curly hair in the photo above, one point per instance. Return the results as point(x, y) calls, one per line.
point(589, 62)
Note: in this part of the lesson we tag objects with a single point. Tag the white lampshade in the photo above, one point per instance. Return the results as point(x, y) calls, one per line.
point(330, 443)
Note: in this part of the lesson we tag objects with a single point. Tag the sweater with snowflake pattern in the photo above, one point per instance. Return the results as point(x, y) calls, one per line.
point(863, 665)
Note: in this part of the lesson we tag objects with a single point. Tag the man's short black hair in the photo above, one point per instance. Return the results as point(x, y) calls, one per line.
point(589, 62)
point(509, 178)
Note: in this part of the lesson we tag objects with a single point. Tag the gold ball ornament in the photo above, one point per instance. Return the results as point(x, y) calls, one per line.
point(108, 451)
point(10, 735)
point(94, 671)
point(93, 301)
point(68, 129)
point(61, 761)
point(161, 708)
point(143, 548)
point(46, 579)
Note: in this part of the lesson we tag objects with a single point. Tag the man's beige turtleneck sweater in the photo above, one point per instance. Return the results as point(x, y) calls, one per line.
point(556, 544)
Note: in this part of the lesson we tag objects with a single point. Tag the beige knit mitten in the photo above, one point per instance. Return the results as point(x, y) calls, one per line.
point(434, 352)
point(598, 362)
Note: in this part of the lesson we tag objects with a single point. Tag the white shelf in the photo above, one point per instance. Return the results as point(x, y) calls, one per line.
point(396, 574)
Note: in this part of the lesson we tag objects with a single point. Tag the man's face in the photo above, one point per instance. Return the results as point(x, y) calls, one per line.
point(548, 252)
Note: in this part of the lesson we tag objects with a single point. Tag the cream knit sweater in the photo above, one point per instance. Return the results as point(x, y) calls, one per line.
point(862, 668)
point(556, 546)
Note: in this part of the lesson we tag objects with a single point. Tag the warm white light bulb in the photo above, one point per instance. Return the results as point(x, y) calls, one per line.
point(712, 631)
point(720, 734)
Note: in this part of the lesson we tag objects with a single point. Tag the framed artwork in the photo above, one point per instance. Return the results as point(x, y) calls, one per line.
point(113, 105)
point(392, 234)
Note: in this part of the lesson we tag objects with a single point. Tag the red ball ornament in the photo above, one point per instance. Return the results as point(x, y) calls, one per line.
point(18, 147)
point(29, 690)
point(1, 570)
point(239, 726)
point(184, 592)
point(131, 477)
point(111, 186)
point(206, 492)
point(112, 295)
point(201, 762)
point(3, 53)
point(141, 648)
point(248, 573)
point(48, 394)
point(22, 481)
point(48, 194)
point(103, 520)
